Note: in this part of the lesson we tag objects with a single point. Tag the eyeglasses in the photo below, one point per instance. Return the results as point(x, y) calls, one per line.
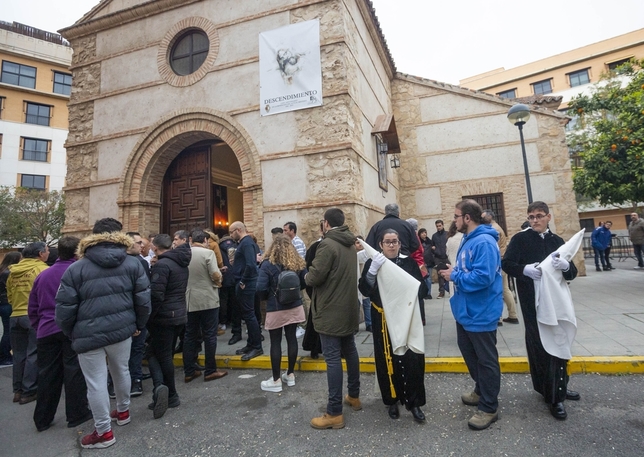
point(456, 216)
point(391, 242)
point(536, 217)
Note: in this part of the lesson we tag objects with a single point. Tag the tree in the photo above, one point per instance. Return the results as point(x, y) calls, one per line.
point(28, 215)
point(610, 136)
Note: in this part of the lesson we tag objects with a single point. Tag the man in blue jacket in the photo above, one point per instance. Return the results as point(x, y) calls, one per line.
point(600, 239)
point(477, 305)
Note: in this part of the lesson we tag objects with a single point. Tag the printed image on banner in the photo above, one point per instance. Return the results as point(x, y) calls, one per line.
point(290, 72)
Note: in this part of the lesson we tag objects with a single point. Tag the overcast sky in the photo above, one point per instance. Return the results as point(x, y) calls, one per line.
point(439, 39)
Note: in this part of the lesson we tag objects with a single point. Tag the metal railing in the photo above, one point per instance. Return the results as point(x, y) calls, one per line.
point(621, 249)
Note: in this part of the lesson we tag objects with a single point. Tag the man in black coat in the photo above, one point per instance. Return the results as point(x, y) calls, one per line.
point(439, 249)
point(408, 238)
point(525, 250)
point(168, 316)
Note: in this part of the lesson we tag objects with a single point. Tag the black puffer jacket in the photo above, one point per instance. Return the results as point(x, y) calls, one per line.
point(105, 296)
point(406, 234)
point(168, 286)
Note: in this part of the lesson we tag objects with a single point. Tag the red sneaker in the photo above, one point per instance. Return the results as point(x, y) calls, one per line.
point(96, 441)
point(121, 418)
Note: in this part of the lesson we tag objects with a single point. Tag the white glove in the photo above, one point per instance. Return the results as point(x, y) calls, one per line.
point(378, 260)
point(558, 262)
point(531, 271)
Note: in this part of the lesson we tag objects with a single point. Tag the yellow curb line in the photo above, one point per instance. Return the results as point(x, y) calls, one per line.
point(601, 365)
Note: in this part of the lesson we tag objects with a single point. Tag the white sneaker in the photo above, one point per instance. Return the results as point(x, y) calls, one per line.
point(222, 326)
point(634, 268)
point(272, 386)
point(299, 333)
point(289, 379)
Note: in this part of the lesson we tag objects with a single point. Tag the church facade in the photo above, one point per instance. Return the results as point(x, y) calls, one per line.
point(162, 143)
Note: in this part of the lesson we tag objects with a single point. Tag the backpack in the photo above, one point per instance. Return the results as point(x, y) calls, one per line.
point(287, 289)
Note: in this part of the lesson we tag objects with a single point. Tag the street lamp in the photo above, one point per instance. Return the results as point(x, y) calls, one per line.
point(519, 115)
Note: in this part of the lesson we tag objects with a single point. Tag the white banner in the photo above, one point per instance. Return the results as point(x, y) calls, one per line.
point(290, 73)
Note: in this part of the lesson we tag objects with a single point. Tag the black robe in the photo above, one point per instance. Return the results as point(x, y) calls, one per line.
point(549, 373)
point(408, 377)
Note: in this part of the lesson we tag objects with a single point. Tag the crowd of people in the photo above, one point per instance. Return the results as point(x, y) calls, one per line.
point(89, 320)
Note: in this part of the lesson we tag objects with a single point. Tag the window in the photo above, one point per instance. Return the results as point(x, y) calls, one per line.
point(38, 114)
point(512, 93)
point(189, 52)
point(588, 224)
point(542, 87)
point(62, 83)
point(574, 152)
point(2, 99)
point(33, 181)
point(493, 202)
point(612, 66)
point(18, 75)
point(579, 78)
point(0, 145)
point(34, 149)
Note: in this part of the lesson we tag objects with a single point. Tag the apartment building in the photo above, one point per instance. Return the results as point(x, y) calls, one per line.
point(35, 86)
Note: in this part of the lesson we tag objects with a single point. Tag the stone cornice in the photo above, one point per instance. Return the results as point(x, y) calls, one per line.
point(124, 16)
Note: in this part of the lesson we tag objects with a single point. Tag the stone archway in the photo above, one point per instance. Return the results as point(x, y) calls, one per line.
point(140, 187)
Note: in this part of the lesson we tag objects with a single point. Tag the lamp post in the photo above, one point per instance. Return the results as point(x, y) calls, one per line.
point(519, 115)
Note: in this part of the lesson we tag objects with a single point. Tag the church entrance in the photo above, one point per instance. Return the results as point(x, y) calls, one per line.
point(201, 189)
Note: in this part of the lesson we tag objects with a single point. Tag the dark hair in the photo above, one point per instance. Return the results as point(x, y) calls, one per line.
point(33, 250)
point(536, 206)
point(52, 257)
point(360, 237)
point(276, 230)
point(491, 213)
point(452, 230)
point(334, 216)
point(291, 226)
point(439, 221)
point(163, 241)
point(198, 236)
point(107, 225)
point(67, 247)
point(422, 230)
point(472, 209)
point(182, 234)
point(10, 258)
point(388, 231)
point(132, 234)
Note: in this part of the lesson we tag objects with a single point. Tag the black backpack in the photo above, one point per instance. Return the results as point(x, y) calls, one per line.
point(287, 289)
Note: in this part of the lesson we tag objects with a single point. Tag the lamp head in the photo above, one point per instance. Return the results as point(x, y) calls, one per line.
point(519, 114)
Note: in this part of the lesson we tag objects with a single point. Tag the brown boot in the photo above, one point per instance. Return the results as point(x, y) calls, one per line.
point(328, 421)
point(353, 402)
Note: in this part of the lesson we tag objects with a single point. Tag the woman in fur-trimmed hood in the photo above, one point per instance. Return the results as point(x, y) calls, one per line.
point(104, 297)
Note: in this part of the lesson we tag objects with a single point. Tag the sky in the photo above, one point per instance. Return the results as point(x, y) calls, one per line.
point(444, 40)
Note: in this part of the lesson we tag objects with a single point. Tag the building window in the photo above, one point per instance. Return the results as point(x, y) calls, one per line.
point(62, 83)
point(542, 87)
point(0, 145)
point(18, 75)
point(38, 114)
point(575, 156)
point(579, 78)
point(493, 202)
point(588, 224)
point(512, 93)
point(33, 181)
point(189, 52)
point(2, 99)
point(612, 66)
point(35, 149)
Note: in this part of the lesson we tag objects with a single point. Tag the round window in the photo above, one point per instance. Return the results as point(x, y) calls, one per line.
point(189, 52)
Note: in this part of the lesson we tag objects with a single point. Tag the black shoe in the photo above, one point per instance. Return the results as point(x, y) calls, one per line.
point(173, 402)
point(82, 420)
point(252, 354)
point(160, 401)
point(137, 388)
point(429, 297)
point(607, 268)
point(598, 269)
point(499, 324)
point(558, 411)
point(393, 411)
point(315, 355)
point(244, 350)
point(418, 414)
point(42, 428)
point(511, 320)
point(235, 339)
point(369, 329)
point(572, 395)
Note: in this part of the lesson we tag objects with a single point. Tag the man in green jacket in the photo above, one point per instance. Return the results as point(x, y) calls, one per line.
point(23, 336)
point(336, 310)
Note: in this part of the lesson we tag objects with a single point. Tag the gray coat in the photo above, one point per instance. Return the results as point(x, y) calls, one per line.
point(104, 297)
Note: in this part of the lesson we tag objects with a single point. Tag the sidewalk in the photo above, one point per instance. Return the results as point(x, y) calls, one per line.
point(610, 331)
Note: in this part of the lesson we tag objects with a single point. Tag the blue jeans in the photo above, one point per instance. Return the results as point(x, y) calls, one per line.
point(428, 283)
point(333, 348)
point(599, 256)
point(366, 307)
point(482, 360)
point(25, 349)
point(136, 355)
point(208, 321)
point(246, 302)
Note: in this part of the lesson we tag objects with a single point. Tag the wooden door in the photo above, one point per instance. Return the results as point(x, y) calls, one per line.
point(187, 193)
